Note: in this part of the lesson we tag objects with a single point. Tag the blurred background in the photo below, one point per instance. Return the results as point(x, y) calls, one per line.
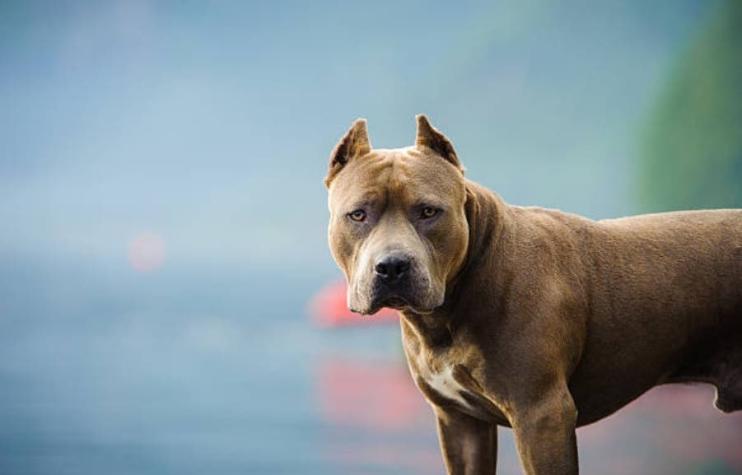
point(163, 242)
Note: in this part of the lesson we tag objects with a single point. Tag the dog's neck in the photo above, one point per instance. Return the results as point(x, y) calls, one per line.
point(486, 216)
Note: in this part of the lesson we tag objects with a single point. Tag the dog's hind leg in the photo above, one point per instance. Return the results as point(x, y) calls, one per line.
point(729, 380)
point(718, 362)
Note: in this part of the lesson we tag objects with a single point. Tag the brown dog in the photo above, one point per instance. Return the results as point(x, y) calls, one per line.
point(526, 317)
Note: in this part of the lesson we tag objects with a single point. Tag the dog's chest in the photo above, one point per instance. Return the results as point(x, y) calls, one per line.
point(444, 383)
point(442, 372)
point(436, 376)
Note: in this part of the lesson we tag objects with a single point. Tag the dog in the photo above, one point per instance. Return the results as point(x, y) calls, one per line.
point(525, 317)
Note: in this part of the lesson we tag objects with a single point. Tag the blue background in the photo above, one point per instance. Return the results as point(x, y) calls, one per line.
point(205, 127)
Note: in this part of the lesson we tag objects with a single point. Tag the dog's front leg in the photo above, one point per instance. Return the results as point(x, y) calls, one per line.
point(545, 434)
point(469, 445)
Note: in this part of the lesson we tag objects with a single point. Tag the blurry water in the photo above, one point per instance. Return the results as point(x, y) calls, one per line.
point(106, 370)
point(149, 373)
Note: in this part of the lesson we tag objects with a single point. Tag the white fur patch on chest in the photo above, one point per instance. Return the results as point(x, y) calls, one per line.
point(444, 384)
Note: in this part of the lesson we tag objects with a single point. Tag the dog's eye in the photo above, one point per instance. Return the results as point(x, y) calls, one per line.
point(358, 215)
point(428, 212)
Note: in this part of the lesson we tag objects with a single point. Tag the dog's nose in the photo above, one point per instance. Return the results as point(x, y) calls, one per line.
point(392, 268)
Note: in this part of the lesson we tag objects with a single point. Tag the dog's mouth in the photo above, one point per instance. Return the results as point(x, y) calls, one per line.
point(397, 303)
point(402, 304)
point(410, 296)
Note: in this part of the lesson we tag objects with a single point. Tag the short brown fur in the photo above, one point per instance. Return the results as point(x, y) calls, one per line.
point(547, 320)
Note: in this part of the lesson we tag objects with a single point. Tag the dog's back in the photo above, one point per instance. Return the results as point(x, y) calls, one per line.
point(663, 303)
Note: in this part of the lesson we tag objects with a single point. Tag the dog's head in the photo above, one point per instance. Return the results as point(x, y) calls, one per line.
point(398, 227)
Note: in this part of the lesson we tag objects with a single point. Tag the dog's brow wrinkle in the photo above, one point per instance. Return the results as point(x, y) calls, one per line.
point(393, 182)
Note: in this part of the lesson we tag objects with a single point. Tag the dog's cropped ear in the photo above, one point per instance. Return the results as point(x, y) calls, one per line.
point(428, 136)
point(354, 143)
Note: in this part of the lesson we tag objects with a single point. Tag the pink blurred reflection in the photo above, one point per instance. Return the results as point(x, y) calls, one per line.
point(329, 308)
point(146, 252)
point(378, 396)
point(377, 402)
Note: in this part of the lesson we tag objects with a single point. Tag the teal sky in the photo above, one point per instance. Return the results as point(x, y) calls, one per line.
point(210, 124)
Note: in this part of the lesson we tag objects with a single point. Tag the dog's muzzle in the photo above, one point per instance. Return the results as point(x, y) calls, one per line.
point(396, 282)
point(393, 270)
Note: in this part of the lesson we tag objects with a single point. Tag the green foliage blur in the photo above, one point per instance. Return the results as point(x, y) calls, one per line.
point(692, 152)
